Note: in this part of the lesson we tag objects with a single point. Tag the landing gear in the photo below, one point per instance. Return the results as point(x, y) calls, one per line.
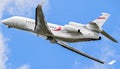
point(99, 38)
point(9, 26)
point(51, 39)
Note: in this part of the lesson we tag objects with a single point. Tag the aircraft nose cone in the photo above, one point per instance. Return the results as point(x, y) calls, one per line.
point(5, 21)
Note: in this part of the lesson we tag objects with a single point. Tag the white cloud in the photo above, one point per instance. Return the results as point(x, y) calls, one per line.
point(3, 48)
point(4, 57)
point(25, 7)
point(3, 53)
point(24, 67)
point(3, 4)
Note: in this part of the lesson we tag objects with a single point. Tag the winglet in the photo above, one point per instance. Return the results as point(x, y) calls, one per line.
point(112, 62)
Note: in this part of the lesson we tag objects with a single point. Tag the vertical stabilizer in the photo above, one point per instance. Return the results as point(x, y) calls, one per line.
point(101, 20)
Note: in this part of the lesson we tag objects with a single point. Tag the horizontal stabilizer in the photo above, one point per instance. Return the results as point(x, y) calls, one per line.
point(108, 36)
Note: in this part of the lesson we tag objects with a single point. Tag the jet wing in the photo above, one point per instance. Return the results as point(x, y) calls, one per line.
point(41, 26)
point(78, 52)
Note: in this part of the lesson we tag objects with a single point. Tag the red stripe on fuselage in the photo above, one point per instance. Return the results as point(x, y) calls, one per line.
point(58, 28)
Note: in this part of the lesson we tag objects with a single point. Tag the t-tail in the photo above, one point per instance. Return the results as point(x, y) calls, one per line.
point(96, 25)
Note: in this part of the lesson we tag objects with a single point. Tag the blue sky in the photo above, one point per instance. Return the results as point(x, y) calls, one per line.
point(24, 50)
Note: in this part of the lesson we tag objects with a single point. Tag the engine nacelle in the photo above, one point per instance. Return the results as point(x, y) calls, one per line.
point(72, 29)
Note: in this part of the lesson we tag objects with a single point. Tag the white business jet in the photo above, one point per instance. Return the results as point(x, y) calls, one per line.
point(71, 32)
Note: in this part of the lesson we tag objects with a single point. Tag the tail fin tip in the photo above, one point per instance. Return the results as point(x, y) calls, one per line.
point(103, 13)
point(101, 19)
